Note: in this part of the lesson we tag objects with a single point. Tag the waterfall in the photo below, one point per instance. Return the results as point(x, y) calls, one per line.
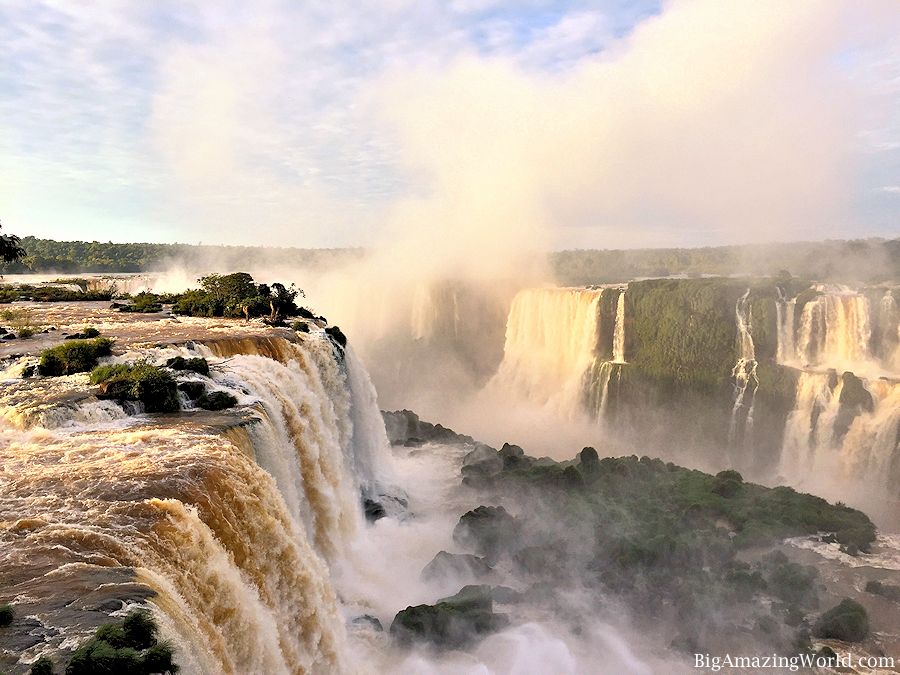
point(784, 312)
point(835, 330)
point(551, 339)
point(619, 332)
point(867, 453)
point(228, 521)
point(746, 381)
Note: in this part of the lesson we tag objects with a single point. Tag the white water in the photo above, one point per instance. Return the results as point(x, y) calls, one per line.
point(230, 526)
point(746, 381)
point(619, 330)
point(551, 338)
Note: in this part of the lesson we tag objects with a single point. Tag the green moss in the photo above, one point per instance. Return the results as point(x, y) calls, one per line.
point(77, 356)
point(683, 331)
point(43, 666)
point(152, 386)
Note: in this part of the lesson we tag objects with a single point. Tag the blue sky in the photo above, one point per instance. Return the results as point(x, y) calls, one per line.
point(331, 123)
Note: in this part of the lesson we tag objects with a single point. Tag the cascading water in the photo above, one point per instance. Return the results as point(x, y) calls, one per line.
point(551, 338)
point(745, 378)
point(225, 521)
point(619, 330)
point(835, 330)
point(784, 309)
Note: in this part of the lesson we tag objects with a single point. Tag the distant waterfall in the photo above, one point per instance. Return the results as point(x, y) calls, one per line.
point(825, 436)
point(784, 308)
point(551, 338)
point(746, 381)
point(835, 329)
point(619, 332)
point(228, 518)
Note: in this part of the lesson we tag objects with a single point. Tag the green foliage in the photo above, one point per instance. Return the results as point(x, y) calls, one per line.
point(197, 365)
point(236, 295)
point(847, 621)
point(683, 331)
point(129, 646)
point(216, 400)
point(151, 385)
point(47, 255)
point(18, 292)
point(76, 356)
point(86, 334)
point(828, 260)
point(43, 666)
point(10, 248)
point(143, 303)
point(6, 614)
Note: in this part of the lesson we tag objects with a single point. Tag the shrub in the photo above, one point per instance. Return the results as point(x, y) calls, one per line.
point(847, 621)
point(43, 666)
point(216, 400)
point(77, 356)
point(197, 365)
point(6, 614)
point(127, 646)
point(25, 333)
point(152, 386)
point(143, 303)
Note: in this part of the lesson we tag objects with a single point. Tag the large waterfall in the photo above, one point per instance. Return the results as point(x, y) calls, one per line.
point(551, 337)
point(227, 521)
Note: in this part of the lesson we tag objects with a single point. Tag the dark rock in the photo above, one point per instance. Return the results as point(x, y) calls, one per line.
point(459, 566)
point(197, 365)
point(373, 510)
point(888, 591)
point(413, 442)
point(405, 428)
point(216, 400)
point(589, 459)
point(367, 621)
point(337, 336)
point(29, 371)
point(489, 530)
point(483, 460)
point(193, 390)
point(305, 313)
point(854, 400)
point(451, 623)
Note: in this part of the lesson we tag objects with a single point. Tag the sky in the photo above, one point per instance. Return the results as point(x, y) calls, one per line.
point(605, 124)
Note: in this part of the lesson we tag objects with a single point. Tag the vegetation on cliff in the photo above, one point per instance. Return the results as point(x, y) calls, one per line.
point(661, 537)
point(76, 356)
point(131, 646)
point(151, 385)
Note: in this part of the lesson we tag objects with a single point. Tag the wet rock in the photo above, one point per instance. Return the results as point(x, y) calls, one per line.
point(373, 510)
point(854, 401)
point(589, 459)
point(405, 428)
point(452, 623)
point(482, 461)
point(193, 390)
point(367, 621)
point(888, 591)
point(337, 336)
point(459, 566)
point(489, 530)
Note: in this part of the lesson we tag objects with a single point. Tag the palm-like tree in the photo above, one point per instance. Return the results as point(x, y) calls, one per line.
point(10, 248)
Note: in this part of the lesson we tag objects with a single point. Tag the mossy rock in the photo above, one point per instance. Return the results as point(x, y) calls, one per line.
point(489, 530)
point(149, 384)
point(216, 400)
point(197, 365)
point(848, 621)
point(452, 623)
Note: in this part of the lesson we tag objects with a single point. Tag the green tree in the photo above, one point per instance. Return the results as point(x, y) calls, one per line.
point(10, 248)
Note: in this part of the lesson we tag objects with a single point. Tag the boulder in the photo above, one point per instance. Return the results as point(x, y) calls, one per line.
point(482, 461)
point(854, 401)
point(458, 566)
point(489, 530)
point(451, 623)
point(367, 621)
